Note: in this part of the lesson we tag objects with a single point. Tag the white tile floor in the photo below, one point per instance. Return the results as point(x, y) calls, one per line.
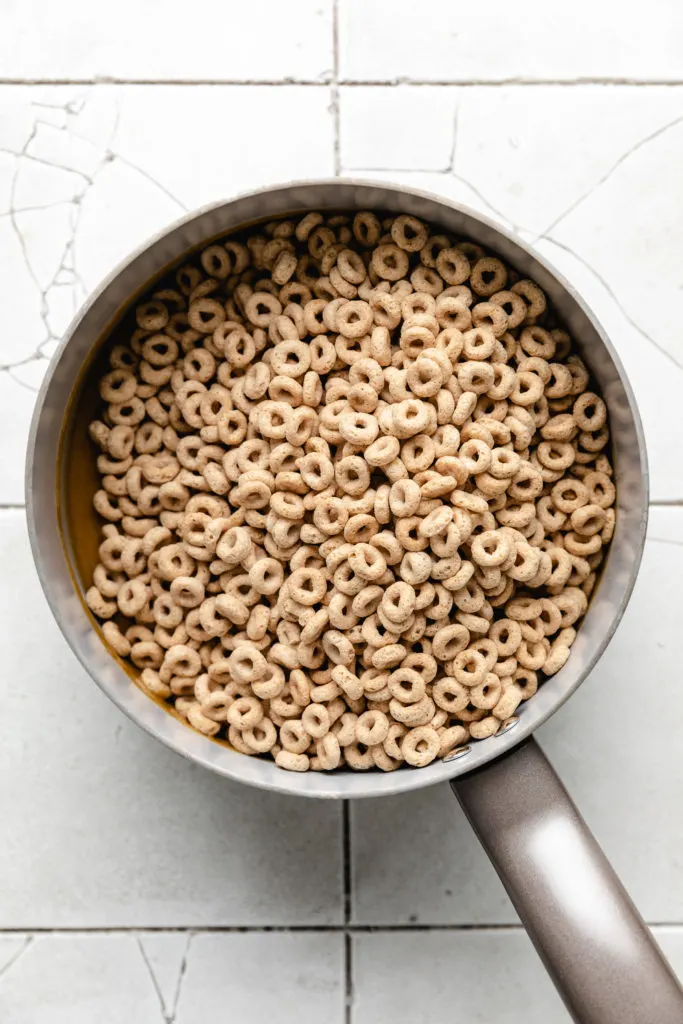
point(134, 887)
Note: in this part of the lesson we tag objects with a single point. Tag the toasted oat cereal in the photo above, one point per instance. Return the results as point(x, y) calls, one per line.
point(356, 490)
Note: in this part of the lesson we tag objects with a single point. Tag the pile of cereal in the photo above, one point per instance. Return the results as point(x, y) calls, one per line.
point(356, 492)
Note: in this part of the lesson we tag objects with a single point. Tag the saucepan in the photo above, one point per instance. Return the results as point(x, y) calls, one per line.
point(590, 936)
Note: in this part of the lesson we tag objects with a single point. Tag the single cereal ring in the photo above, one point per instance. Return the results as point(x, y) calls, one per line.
point(359, 428)
point(261, 308)
point(247, 664)
point(491, 548)
point(328, 752)
point(469, 668)
point(383, 451)
point(487, 694)
point(292, 762)
point(510, 700)
point(372, 728)
point(118, 387)
point(389, 262)
point(366, 228)
point(367, 562)
point(360, 760)
point(589, 412)
point(424, 377)
point(409, 418)
point(420, 713)
point(449, 641)
point(420, 746)
point(601, 490)
point(490, 316)
point(488, 726)
point(398, 602)
point(315, 720)
point(260, 737)
point(436, 522)
point(409, 233)
point(450, 695)
point(489, 275)
point(556, 455)
point(479, 343)
point(453, 265)
point(404, 498)
point(475, 376)
point(588, 520)
point(406, 685)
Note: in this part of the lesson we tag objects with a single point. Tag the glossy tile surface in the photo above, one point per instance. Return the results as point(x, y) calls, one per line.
point(134, 886)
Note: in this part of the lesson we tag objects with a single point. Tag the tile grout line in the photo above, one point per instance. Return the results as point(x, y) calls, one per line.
point(348, 978)
point(347, 882)
point(334, 90)
point(327, 80)
point(348, 896)
point(498, 83)
point(303, 929)
point(346, 866)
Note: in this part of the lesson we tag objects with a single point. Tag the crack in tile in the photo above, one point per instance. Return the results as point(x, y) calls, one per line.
point(76, 203)
point(18, 380)
point(643, 333)
point(13, 213)
point(608, 174)
point(454, 143)
point(167, 1018)
point(517, 228)
point(16, 956)
point(36, 209)
point(181, 978)
point(38, 159)
point(21, 362)
point(20, 238)
point(148, 176)
point(72, 108)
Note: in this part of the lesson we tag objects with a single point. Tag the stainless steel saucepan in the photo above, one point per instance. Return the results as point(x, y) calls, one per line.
point(590, 936)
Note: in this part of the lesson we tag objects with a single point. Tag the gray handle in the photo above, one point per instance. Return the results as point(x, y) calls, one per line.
point(592, 940)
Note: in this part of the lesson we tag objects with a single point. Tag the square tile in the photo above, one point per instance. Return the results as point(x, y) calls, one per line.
point(171, 976)
point(670, 939)
point(487, 976)
point(415, 859)
point(400, 127)
point(89, 172)
point(392, 39)
point(104, 827)
point(291, 978)
point(596, 741)
point(16, 409)
point(78, 978)
point(599, 221)
point(467, 976)
point(164, 41)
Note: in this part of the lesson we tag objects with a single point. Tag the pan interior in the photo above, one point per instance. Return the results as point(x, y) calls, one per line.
point(78, 479)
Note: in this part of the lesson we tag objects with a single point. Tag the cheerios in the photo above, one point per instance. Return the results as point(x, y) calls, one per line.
point(355, 490)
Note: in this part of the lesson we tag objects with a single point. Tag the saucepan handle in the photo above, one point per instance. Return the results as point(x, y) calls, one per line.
point(592, 940)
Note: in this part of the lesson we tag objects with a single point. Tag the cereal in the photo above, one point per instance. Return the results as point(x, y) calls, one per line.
point(356, 489)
